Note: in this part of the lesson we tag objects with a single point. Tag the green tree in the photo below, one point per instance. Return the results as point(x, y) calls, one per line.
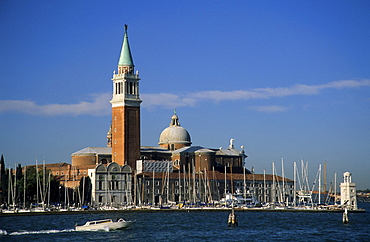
point(30, 186)
point(85, 190)
point(48, 187)
point(2, 179)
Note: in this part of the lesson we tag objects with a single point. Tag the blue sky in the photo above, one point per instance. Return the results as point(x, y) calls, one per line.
point(286, 79)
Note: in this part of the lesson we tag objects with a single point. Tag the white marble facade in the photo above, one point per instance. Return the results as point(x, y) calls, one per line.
point(111, 185)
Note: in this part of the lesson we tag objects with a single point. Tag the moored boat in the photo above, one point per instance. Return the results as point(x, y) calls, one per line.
point(104, 224)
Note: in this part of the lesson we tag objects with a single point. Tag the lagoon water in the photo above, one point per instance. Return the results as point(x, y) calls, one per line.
point(192, 226)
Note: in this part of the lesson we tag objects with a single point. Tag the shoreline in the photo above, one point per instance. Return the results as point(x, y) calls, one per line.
point(151, 210)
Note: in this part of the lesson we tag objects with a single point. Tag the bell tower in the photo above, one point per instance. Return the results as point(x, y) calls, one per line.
point(125, 110)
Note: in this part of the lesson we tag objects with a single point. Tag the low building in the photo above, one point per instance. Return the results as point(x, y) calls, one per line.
point(111, 185)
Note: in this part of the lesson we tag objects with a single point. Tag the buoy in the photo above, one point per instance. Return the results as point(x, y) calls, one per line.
point(232, 220)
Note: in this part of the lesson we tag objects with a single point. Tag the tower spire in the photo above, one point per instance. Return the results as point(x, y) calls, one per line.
point(125, 63)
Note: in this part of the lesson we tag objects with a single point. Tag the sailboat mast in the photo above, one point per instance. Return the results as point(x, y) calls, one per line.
point(43, 183)
point(24, 185)
point(179, 186)
point(37, 183)
point(189, 182)
point(153, 189)
point(15, 186)
point(273, 183)
point(185, 184)
point(264, 186)
point(107, 187)
point(325, 184)
point(65, 190)
point(320, 184)
point(244, 185)
point(283, 176)
point(225, 181)
point(194, 191)
point(205, 185)
point(49, 189)
point(335, 188)
point(167, 182)
point(253, 184)
point(295, 183)
point(9, 185)
point(83, 191)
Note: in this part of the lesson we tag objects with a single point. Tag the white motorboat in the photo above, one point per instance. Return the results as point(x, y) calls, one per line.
point(104, 224)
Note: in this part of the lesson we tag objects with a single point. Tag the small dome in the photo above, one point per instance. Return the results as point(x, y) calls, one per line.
point(175, 117)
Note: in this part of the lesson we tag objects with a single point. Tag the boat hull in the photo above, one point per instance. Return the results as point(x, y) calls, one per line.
point(107, 226)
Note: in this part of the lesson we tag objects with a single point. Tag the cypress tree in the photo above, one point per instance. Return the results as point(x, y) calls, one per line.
point(2, 178)
point(2, 168)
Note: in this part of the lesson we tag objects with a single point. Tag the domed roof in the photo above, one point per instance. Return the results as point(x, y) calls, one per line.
point(174, 134)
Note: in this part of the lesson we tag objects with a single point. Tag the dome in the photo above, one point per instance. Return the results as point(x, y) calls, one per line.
point(174, 135)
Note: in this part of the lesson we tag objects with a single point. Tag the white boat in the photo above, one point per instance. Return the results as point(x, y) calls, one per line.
point(104, 224)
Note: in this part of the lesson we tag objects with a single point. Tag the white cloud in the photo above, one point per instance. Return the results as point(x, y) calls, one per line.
point(269, 109)
point(100, 103)
point(288, 91)
point(346, 84)
point(99, 106)
point(166, 100)
point(230, 95)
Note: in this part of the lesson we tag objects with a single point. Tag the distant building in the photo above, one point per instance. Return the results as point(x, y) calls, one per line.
point(348, 191)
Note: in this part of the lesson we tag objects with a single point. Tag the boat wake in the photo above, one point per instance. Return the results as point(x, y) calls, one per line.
point(52, 231)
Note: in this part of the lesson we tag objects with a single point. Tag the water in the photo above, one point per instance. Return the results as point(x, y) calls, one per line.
point(193, 226)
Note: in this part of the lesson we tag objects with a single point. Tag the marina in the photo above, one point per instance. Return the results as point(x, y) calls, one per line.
point(306, 199)
point(150, 209)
